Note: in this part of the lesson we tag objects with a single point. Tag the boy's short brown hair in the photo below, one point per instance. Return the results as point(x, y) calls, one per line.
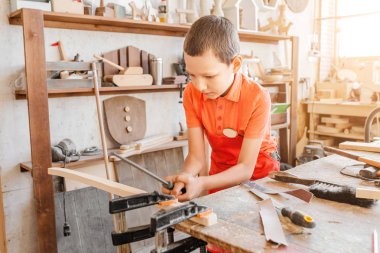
point(215, 33)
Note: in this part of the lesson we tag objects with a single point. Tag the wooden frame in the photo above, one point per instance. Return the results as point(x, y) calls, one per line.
point(33, 22)
point(38, 110)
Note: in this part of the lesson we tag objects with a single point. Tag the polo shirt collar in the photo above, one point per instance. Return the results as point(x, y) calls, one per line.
point(234, 93)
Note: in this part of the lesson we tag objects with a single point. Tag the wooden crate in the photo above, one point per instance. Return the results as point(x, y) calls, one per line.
point(59, 84)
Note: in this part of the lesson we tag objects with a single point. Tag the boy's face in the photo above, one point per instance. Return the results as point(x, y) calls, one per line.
point(209, 75)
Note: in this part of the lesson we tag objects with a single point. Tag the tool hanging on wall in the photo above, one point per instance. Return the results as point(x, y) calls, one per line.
point(325, 190)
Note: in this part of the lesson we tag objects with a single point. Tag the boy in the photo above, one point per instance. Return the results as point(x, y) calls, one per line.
point(232, 111)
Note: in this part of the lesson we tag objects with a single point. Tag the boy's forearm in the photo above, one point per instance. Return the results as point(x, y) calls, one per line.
point(228, 178)
point(192, 165)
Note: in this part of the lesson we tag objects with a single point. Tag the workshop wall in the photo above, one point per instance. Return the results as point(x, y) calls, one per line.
point(75, 117)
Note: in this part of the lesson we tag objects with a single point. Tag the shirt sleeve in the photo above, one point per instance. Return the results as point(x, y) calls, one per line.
point(260, 118)
point(191, 107)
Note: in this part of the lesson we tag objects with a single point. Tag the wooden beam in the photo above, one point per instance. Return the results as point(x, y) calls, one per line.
point(3, 237)
point(293, 103)
point(35, 72)
point(97, 182)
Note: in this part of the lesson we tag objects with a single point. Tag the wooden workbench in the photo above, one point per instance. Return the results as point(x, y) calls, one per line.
point(340, 227)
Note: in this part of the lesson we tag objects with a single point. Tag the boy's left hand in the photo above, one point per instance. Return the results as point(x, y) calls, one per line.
point(194, 186)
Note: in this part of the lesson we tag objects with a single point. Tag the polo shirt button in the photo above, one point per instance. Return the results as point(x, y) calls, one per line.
point(220, 107)
point(219, 118)
point(219, 128)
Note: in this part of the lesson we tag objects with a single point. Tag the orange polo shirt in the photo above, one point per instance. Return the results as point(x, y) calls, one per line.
point(246, 98)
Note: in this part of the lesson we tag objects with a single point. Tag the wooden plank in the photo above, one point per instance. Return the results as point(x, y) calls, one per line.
point(335, 120)
point(293, 102)
point(90, 226)
point(89, 220)
point(361, 146)
point(71, 66)
point(95, 23)
point(104, 91)
point(70, 243)
point(134, 58)
point(35, 72)
point(123, 57)
point(100, 183)
point(3, 237)
point(144, 62)
point(91, 160)
point(107, 68)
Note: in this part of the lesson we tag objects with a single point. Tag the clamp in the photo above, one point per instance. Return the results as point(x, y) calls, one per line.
point(161, 222)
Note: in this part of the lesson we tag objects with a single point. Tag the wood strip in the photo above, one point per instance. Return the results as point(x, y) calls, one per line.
point(3, 237)
point(145, 62)
point(113, 56)
point(70, 243)
point(133, 57)
point(98, 182)
point(123, 57)
point(35, 72)
point(293, 102)
point(361, 146)
point(95, 23)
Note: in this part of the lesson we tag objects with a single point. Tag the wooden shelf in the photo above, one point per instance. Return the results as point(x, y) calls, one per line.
point(87, 160)
point(96, 23)
point(104, 91)
point(340, 135)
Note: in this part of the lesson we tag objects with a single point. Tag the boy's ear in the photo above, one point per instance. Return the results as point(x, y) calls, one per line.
point(237, 62)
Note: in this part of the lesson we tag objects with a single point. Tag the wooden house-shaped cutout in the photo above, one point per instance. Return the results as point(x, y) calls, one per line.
point(242, 13)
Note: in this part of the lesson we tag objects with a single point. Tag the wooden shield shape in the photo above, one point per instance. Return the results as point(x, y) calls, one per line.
point(125, 125)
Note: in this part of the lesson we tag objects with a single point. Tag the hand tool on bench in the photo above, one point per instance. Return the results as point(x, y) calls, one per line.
point(374, 163)
point(297, 217)
point(325, 190)
point(161, 222)
point(167, 184)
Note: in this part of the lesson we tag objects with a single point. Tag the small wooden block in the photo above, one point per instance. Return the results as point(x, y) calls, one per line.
point(207, 220)
point(326, 129)
point(334, 120)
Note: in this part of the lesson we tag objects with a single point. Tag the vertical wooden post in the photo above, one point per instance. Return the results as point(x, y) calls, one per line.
point(293, 103)
point(3, 239)
point(37, 96)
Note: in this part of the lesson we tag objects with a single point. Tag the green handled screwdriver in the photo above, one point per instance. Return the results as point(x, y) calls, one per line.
point(297, 217)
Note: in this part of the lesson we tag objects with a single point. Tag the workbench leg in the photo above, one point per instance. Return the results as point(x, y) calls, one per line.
point(38, 109)
point(120, 219)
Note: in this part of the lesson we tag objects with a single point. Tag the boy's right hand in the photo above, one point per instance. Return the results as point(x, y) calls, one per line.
point(178, 186)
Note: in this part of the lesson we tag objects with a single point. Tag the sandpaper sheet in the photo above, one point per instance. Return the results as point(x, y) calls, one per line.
point(272, 225)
